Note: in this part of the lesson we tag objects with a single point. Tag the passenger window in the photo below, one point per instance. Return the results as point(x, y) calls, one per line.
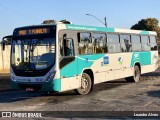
point(85, 43)
point(125, 43)
point(100, 45)
point(145, 43)
point(153, 43)
point(113, 43)
point(136, 44)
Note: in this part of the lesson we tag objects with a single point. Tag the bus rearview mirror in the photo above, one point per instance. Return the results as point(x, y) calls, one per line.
point(3, 46)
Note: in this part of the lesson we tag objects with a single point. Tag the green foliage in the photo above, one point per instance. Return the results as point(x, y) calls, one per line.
point(149, 24)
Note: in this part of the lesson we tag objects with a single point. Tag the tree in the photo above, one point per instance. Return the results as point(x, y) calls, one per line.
point(149, 24)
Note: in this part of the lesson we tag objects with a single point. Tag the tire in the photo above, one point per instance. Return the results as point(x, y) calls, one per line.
point(86, 85)
point(136, 75)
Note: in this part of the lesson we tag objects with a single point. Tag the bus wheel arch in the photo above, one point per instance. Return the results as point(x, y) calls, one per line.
point(90, 73)
point(87, 78)
point(136, 73)
point(139, 65)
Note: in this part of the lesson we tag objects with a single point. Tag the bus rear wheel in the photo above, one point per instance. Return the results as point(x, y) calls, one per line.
point(136, 75)
point(86, 84)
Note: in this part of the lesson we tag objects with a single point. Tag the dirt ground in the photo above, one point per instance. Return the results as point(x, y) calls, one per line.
point(109, 96)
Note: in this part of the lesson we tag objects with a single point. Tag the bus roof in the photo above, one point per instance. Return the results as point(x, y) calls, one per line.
point(104, 29)
point(94, 28)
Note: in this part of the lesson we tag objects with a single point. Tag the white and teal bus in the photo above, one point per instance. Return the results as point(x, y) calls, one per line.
point(60, 57)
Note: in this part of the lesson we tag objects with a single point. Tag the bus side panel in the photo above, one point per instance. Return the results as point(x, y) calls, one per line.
point(154, 60)
point(95, 63)
point(71, 73)
point(70, 83)
point(147, 60)
point(69, 76)
point(99, 70)
point(121, 64)
point(150, 62)
point(146, 66)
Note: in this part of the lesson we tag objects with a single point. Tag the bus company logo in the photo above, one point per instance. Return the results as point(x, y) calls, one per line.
point(6, 114)
point(136, 55)
point(105, 60)
point(86, 59)
point(120, 61)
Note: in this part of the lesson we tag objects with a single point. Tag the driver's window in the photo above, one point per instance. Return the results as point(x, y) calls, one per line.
point(68, 47)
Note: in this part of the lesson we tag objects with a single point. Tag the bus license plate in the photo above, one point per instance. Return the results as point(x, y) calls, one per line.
point(29, 89)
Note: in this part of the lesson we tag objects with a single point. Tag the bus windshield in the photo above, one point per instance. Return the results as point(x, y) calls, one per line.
point(33, 54)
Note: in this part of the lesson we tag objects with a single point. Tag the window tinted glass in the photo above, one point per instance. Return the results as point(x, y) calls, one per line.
point(153, 43)
point(136, 44)
point(85, 44)
point(145, 39)
point(135, 39)
point(125, 43)
point(99, 41)
point(113, 43)
point(112, 38)
point(153, 39)
point(85, 38)
point(145, 43)
point(114, 48)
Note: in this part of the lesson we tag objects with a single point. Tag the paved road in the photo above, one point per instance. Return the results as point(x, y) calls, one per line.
point(109, 96)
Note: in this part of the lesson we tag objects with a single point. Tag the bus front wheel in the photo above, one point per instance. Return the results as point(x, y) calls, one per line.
point(136, 75)
point(86, 84)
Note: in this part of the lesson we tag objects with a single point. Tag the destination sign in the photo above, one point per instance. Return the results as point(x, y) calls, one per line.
point(33, 31)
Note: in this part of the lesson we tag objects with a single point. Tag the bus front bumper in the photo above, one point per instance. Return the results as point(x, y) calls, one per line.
point(54, 85)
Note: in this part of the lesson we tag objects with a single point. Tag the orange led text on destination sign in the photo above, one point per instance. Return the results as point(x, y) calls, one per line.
point(33, 31)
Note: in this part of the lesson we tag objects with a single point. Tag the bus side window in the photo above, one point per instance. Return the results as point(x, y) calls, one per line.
point(125, 43)
point(85, 43)
point(113, 43)
point(145, 43)
point(136, 43)
point(100, 44)
point(153, 43)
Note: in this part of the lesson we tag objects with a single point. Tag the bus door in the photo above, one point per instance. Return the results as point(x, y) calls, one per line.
point(68, 64)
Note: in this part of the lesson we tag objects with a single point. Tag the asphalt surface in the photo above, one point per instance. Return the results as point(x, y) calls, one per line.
point(109, 96)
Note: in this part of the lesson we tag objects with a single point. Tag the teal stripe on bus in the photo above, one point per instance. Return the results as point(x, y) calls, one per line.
point(57, 85)
point(144, 58)
point(89, 28)
point(81, 62)
point(144, 33)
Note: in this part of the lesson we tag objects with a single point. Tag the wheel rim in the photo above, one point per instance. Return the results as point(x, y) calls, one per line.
point(84, 84)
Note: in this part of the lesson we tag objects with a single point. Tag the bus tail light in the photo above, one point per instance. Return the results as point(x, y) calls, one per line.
point(51, 76)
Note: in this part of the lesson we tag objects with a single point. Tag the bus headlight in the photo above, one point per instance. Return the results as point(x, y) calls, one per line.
point(50, 77)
